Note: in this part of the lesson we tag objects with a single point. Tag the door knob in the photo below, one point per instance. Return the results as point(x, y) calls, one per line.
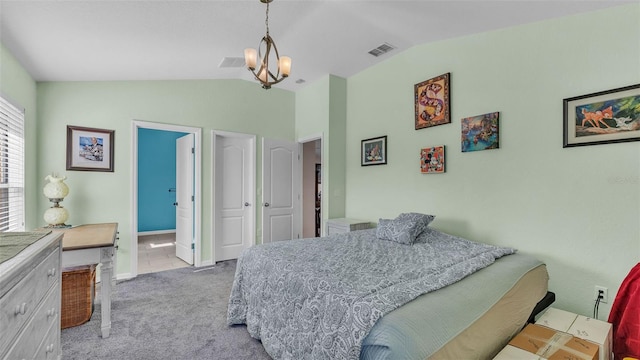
point(175, 204)
point(247, 204)
point(266, 204)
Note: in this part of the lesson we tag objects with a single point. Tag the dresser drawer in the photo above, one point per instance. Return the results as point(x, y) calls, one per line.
point(46, 316)
point(50, 348)
point(20, 303)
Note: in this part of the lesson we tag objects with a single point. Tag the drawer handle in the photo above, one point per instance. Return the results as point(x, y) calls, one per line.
point(51, 312)
point(50, 348)
point(51, 272)
point(21, 309)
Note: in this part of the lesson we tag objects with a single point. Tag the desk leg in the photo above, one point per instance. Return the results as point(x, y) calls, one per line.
point(106, 259)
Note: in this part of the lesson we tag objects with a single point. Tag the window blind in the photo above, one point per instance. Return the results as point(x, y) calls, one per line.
point(11, 167)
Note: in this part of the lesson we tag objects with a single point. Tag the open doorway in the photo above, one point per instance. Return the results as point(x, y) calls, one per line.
point(157, 200)
point(311, 186)
point(153, 234)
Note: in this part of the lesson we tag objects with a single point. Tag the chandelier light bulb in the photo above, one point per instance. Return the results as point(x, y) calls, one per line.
point(250, 58)
point(263, 75)
point(285, 66)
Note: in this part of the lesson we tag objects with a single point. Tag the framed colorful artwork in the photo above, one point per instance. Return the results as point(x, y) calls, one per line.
point(604, 117)
point(480, 132)
point(432, 160)
point(432, 102)
point(89, 149)
point(374, 151)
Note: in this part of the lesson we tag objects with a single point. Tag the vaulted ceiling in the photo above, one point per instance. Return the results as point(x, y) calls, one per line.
point(93, 40)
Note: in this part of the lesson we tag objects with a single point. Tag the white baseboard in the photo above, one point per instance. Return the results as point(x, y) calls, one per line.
point(206, 263)
point(124, 276)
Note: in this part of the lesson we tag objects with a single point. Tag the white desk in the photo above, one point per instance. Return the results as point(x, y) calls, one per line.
point(93, 244)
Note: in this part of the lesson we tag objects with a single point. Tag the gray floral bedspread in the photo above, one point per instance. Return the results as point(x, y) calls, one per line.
point(319, 298)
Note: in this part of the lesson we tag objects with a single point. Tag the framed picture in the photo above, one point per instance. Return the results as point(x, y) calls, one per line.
point(89, 149)
point(432, 160)
point(432, 102)
point(480, 132)
point(604, 117)
point(374, 151)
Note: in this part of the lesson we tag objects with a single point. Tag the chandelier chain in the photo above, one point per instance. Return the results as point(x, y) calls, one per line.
point(266, 21)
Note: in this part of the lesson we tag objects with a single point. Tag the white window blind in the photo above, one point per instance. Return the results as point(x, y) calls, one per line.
point(11, 167)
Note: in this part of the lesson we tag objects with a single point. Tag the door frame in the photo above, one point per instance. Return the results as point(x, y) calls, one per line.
point(323, 199)
point(197, 204)
point(252, 182)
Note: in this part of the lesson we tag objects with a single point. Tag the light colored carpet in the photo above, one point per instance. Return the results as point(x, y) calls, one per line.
point(175, 314)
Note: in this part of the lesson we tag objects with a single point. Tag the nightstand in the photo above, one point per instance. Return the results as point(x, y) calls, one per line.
point(343, 225)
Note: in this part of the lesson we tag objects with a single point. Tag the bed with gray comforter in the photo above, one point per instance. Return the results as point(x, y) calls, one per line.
point(320, 298)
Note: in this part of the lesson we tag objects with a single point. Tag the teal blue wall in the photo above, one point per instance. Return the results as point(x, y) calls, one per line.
point(156, 175)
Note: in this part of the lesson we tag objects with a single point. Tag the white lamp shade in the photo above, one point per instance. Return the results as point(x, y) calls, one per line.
point(250, 56)
point(263, 75)
point(285, 65)
point(55, 188)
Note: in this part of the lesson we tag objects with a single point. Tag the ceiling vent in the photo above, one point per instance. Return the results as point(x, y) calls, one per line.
point(382, 49)
point(231, 62)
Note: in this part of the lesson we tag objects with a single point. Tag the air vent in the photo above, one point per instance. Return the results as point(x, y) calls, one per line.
point(232, 62)
point(382, 49)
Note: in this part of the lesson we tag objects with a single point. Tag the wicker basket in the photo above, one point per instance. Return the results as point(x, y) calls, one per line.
point(78, 291)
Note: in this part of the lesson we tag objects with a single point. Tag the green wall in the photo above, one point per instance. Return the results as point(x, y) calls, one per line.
point(20, 88)
point(321, 108)
point(229, 105)
point(577, 209)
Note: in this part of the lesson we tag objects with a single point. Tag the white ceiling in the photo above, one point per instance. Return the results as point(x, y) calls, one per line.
point(92, 40)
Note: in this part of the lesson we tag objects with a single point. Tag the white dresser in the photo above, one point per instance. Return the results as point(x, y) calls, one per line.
point(30, 290)
point(342, 225)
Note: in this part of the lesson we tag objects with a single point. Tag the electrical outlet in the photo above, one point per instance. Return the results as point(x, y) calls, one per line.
point(605, 293)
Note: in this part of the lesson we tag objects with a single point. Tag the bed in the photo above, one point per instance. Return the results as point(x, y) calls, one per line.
point(367, 295)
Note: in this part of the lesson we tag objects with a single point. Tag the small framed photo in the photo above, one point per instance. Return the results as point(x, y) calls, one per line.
point(604, 117)
point(432, 102)
point(374, 151)
point(432, 160)
point(480, 132)
point(89, 149)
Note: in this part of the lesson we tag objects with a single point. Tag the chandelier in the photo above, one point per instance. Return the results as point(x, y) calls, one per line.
point(264, 74)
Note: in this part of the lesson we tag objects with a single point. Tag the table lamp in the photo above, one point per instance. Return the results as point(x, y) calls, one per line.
point(55, 190)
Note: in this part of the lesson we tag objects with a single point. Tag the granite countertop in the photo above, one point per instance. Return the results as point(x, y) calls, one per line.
point(11, 243)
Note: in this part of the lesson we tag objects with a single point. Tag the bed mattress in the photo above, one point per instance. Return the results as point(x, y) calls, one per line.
point(471, 319)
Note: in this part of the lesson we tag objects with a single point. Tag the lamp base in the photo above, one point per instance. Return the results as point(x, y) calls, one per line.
point(56, 215)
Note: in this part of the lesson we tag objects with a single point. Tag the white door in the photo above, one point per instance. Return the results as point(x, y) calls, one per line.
point(184, 198)
point(233, 195)
point(280, 190)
